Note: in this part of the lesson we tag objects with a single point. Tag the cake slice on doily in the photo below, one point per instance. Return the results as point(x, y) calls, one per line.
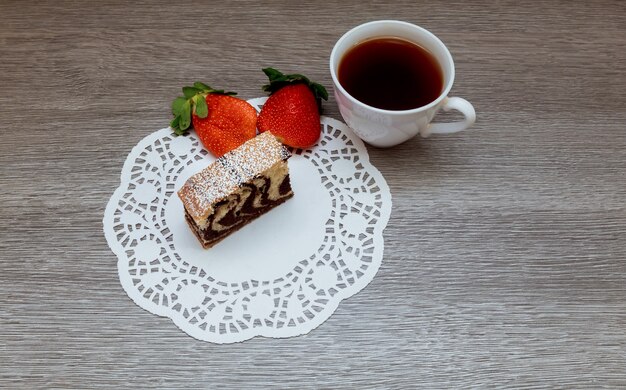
point(237, 188)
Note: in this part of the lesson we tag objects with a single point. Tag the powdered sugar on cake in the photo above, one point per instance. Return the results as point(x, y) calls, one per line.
point(228, 172)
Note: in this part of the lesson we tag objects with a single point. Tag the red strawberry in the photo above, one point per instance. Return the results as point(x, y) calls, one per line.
point(292, 112)
point(222, 122)
point(229, 123)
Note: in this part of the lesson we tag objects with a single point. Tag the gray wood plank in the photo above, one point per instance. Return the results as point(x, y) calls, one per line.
point(505, 253)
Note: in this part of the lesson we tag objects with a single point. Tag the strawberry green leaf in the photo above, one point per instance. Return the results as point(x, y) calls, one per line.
point(297, 77)
point(177, 104)
point(319, 91)
point(174, 123)
point(185, 116)
point(202, 86)
point(202, 110)
point(190, 92)
point(273, 74)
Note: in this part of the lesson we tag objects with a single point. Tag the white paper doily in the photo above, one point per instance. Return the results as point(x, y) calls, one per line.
point(283, 274)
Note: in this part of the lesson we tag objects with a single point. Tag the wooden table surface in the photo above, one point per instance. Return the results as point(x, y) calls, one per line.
point(505, 254)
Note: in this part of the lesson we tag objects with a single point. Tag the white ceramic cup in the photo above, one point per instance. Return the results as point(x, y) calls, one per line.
point(385, 128)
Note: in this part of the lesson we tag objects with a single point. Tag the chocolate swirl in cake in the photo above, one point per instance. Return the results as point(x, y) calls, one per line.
point(236, 188)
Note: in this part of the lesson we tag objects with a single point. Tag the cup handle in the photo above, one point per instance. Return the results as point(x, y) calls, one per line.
point(453, 103)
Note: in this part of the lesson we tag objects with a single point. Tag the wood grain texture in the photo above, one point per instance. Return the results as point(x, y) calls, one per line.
point(505, 259)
